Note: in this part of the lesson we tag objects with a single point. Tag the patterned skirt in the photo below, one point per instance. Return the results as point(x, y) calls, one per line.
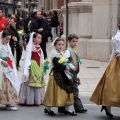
point(6, 94)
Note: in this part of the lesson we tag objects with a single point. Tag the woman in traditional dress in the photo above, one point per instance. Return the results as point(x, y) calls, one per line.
point(9, 83)
point(59, 91)
point(33, 85)
point(107, 92)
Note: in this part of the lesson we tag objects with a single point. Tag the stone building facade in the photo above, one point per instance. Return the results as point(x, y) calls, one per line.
point(56, 4)
point(95, 22)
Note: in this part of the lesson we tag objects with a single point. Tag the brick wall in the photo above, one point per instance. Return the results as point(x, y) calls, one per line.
point(75, 0)
point(60, 3)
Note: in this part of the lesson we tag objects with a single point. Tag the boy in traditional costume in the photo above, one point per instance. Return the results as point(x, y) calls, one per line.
point(72, 55)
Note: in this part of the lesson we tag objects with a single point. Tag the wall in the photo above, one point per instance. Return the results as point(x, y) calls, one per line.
point(95, 23)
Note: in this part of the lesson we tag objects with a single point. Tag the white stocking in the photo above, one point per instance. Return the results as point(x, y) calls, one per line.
point(67, 108)
point(48, 108)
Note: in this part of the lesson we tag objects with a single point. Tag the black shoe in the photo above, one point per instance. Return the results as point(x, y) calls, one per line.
point(81, 111)
point(49, 112)
point(70, 113)
point(61, 109)
point(107, 113)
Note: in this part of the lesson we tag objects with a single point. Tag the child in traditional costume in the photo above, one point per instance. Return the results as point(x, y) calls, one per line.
point(33, 84)
point(107, 91)
point(59, 91)
point(9, 83)
point(72, 55)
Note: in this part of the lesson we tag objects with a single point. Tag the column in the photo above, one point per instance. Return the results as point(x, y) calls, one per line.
point(46, 5)
point(64, 2)
point(51, 4)
point(99, 47)
point(101, 8)
point(55, 4)
point(87, 0)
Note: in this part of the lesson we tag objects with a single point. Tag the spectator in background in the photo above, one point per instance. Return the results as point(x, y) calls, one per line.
point(8, 17)
point(61, 26)
point(45, 18)
point(3, 22)
point(25, 23)
point(13, 16)
point(54, 24)
point(14, 41)
point(19, 25)
point(40, 26)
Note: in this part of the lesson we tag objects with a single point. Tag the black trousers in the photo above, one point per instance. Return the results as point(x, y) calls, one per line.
point(18, 54)
point(77, 101)
point(43, 46)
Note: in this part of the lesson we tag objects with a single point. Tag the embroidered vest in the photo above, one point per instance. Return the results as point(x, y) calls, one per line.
point(73, 58)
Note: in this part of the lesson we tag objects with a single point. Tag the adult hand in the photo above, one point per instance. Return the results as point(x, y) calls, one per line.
point(40, 30)
point(14, 38)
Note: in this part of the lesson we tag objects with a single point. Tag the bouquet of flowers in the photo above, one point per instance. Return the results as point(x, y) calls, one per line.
point(46, 65)
point(21, 42)
point(65, 62)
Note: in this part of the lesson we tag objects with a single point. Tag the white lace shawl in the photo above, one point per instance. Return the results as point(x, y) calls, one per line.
point(12, 76)
point(27, 61)
point(56, 54)
point(116, 43)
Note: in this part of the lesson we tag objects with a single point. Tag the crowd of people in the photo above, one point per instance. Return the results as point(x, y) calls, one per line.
point(31, 90)
point(64, 67)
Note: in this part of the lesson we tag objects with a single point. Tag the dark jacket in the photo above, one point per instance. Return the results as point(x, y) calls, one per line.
point(40, 23)
point(54, 21)
point(13, 32)
point(25, 24)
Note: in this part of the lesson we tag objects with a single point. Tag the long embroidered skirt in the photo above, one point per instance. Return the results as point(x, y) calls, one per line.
point(55, 96)
point(107, 92)
point(32, 92)
point(6, 94)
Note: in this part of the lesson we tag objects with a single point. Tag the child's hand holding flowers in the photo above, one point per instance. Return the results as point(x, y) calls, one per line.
point(46, 65)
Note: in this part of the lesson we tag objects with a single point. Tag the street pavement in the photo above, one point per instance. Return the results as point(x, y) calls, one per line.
point(90, 73)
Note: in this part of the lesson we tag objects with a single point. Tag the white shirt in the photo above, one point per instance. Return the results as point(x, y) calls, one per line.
point(67, 55)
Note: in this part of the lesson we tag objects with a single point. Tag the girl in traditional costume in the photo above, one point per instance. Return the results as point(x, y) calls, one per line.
point(107, 91)
point(9, 83)
point(33, 85)
point(59, 91)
